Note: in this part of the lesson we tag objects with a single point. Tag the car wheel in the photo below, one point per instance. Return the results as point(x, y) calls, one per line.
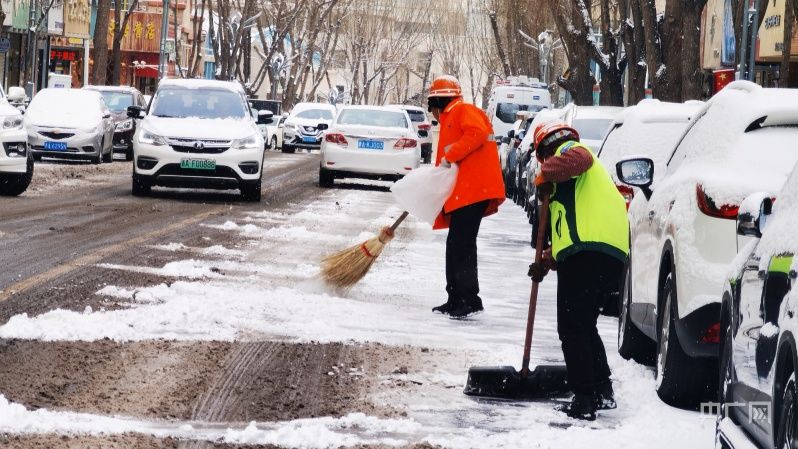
point(273, 144)
point(326, 178)
point(632, 342)
point(288, 149)
point(107, 158)
point(140, 187)
point(726, 373)
point(681, 381)
point(37, 157)
point(787, 433)
point(129, 154)
point(251, 191)
point(15, 185)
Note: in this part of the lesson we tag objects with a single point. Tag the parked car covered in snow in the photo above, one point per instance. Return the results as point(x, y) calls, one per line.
point(272, 132)
point(198, 133)
point(16, 162)
point(301, 128)
point(368, 142)
point(70, 124)
point(651, 128)
point(759, 326)
point(591, 122)
point(117, 99)
point(683, 233)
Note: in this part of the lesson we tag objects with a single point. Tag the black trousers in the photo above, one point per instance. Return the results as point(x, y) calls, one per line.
point(462, 283)
point(583, 282)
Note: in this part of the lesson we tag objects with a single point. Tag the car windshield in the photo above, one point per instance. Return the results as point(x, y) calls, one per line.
point(316, 114)
point(117, 101)
point(506, 111)
point(371, 117)
point(592, 128)
point(416, 116)
point(174, 102)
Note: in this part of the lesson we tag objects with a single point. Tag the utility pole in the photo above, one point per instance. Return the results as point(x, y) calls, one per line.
point(754, 35)
point(744, 43)
point(162, 64)
point(30, 59)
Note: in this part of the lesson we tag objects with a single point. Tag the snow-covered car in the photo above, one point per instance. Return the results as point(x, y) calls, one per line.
point(16, 162)
point(683, 233)
point(651, 128)
point(369, 142)
point(198, 133)
point(301, 128)
point(272, 132)
point(423, 127)
point(118, 98)
point(70, 124)
point(759, 326)
point(591, 122)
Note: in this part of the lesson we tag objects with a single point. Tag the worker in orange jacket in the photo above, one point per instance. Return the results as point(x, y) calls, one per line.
point(466, 139)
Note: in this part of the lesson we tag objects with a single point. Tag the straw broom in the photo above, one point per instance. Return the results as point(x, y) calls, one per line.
point(346, 268)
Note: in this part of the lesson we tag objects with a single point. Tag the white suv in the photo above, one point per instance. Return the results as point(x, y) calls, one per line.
point(301, 128)
point(198, 133)
point(683, 232)
point(16, 162)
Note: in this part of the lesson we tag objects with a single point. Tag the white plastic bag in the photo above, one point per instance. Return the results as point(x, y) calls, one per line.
point(424, 191)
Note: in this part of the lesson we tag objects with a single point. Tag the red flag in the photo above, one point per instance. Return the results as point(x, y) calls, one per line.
point(722, 78)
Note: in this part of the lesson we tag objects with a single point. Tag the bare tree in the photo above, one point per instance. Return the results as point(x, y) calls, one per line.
point(120, 31)
point(100, 40)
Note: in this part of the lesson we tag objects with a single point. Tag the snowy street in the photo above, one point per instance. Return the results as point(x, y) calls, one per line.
point(195, 321)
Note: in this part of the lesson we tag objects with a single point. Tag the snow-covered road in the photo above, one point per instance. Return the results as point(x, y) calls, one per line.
point(270, 290)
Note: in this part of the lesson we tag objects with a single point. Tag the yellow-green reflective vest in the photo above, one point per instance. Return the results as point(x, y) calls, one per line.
point(588, 213)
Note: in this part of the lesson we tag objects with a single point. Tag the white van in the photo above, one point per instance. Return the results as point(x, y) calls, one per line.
point(513, 95)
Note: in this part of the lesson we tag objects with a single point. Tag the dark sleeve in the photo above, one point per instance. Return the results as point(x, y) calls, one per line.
point(567, 165)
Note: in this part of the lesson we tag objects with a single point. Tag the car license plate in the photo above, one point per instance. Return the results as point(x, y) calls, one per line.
point(198, 164)
point(307, 139)
point(371, 144)
point(55, 146)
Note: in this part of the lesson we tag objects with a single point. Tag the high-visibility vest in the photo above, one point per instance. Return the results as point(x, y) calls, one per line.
point(588, 213)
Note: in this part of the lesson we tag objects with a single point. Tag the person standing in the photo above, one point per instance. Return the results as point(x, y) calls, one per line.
point(589, 248)
point(466, 140)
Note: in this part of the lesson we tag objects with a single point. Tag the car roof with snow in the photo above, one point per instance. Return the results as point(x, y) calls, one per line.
point(587, 112)
point(307, 105)
point(128, 89)
point(656, 111)
point(201, 84)
point(408, 107)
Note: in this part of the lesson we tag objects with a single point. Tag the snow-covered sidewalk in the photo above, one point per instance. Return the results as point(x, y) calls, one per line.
point(272, 291)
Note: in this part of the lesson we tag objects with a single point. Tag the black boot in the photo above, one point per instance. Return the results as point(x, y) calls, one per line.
point(605, 397)
point(463, 310)
point(582, 406)
point(445, 307)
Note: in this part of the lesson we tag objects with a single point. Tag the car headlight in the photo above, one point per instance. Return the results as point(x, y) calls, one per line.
point(127, 125)
point(12, 122)
point(289, 127)
point(148, 138)
point(247, 143)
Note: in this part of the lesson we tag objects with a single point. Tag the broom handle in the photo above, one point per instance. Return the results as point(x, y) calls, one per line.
point(399, 221)
point(543, 219)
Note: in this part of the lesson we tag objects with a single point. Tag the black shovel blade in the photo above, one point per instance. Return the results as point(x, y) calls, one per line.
point(505, 382)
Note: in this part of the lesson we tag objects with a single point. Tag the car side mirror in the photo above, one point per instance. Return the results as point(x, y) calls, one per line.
point(637, 172)
point(511, 133)
point(264, 117)
point(753, 214)
point(323, 127)
point(16, 93)
point(135, 112)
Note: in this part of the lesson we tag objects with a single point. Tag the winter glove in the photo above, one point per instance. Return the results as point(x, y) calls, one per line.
point(537, 272)
point(543, 187)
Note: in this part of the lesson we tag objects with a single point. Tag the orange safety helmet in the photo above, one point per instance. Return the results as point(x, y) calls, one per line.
point(445, 86)
point(548, 133)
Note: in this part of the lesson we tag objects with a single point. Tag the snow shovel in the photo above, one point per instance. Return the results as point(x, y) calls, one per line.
point(505, 382)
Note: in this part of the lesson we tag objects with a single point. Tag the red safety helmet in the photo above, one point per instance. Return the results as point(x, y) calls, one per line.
point(548, 133)
point(445, 86)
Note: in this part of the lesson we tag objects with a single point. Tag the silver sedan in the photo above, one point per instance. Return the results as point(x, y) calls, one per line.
point(70, 124)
